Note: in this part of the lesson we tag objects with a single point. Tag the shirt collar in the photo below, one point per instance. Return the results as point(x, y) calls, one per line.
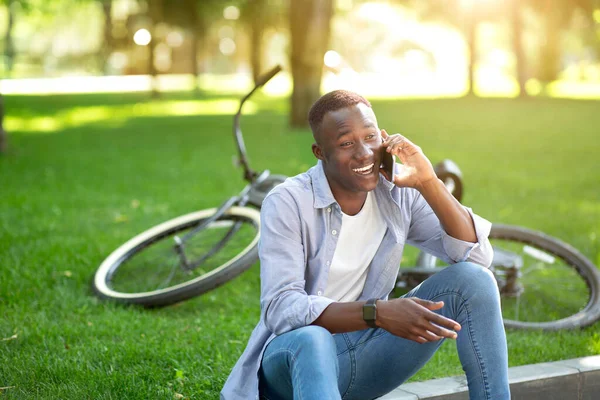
point(322, 192)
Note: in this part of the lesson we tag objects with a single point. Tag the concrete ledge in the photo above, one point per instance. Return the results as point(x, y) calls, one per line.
point(577, 379)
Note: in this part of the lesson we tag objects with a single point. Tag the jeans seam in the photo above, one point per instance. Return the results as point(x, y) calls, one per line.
point(348, 345)
point(352, 373)
point(292, 355)
point(473, 341)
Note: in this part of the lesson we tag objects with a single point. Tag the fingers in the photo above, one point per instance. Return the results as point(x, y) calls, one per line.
point(431, 333)
point(438, 324)
point(424, 336)
point(399, 145)
point(384, 134)
point(444, 322)
point(441, 332)
point(431, 305)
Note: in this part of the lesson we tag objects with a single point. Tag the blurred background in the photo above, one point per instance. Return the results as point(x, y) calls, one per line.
point(395, 48)
point(117, 116)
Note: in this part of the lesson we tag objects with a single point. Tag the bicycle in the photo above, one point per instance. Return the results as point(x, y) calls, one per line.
point(530, 267)
point(200, 251)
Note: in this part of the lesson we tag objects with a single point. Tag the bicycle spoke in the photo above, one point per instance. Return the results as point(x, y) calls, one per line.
point(160, 264)
point(551, 289)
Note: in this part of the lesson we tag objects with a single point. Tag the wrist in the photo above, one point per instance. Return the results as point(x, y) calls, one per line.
point(430, 186)
point(381, 305)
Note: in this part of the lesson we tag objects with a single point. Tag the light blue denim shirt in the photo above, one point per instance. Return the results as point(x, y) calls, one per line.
point(300, 226)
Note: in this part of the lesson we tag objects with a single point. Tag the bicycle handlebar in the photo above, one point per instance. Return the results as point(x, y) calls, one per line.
point(268, 76)
point(249, 174)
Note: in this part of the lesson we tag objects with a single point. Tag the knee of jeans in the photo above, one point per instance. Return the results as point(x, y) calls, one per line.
point(475, 279)
point(315, 340)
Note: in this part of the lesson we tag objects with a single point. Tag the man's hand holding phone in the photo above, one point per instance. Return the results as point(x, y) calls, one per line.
point(415, 170)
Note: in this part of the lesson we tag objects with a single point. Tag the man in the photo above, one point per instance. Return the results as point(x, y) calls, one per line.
point(331, 244)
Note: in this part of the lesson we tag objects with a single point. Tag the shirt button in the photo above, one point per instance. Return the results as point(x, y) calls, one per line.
point(319, 293)
point(327, 263)
point(334, 232)
point(329, 209)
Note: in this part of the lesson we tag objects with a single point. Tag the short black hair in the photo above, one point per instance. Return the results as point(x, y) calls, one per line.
point(332, 101)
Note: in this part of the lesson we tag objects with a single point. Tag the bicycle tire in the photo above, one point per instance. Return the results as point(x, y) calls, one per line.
point(585, 269)
point(246, 217)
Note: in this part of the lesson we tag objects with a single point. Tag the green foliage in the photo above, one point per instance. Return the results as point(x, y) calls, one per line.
point(70, 196)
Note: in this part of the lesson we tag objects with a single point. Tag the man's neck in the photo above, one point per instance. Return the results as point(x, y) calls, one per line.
point(350, 203)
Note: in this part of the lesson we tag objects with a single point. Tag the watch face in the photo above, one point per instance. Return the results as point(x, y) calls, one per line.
point(369, 312)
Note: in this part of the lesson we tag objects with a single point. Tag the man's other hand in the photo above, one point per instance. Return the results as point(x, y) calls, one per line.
point(413, 318)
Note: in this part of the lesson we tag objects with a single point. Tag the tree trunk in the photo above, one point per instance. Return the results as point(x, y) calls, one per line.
point(3, 137)
point(517, 37)
point(310, 29)
point(9, 49)
point(472, 45)
point(193, 30)
point(257, 28)
point(550, 50)
point(107, 45)
point(155, 12)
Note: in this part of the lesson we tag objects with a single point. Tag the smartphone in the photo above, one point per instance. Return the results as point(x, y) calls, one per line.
point(387, 163)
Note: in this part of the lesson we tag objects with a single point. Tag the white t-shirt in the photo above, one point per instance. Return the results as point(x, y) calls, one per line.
point(359, 239)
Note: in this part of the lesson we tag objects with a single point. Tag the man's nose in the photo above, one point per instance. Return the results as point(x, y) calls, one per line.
point(363, 151)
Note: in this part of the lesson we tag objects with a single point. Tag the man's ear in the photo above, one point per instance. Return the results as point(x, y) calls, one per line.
point(317, 151)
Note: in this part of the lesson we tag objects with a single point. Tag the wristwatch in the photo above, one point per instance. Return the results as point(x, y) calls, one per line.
point(370, 312)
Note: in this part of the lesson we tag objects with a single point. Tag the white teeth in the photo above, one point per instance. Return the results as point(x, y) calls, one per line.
point(363, 169)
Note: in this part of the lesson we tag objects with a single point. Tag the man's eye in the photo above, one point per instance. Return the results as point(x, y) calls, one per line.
point(371, 136)
point(346, 144)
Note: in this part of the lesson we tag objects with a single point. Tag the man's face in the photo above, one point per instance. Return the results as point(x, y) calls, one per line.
point(348, 144)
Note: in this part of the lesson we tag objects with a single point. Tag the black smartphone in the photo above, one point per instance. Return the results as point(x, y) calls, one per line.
point(387, 163)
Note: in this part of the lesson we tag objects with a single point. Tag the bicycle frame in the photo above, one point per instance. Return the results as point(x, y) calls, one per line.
point(241, 200)
point(249, 174)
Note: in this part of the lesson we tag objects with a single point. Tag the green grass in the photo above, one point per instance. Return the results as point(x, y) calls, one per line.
point(85, 173)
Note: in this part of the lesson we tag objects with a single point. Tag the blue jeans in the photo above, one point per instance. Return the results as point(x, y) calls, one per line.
point(311, 363)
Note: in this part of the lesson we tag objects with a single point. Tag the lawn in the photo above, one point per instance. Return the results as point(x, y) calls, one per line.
point(84, 173)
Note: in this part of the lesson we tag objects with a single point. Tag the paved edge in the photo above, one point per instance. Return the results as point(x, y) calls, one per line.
point(578, 378)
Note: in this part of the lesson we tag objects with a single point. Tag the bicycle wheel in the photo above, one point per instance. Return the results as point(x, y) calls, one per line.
point(544, 283)
point(150, 269)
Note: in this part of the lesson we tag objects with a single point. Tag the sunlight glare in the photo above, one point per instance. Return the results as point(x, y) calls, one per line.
point(80, 116)
point(332, 59)
point(231, 12)
point(227, 46)
point(142, 37)
point(175, 39)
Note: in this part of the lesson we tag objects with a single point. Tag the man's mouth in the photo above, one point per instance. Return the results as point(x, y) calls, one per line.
point(366, 170)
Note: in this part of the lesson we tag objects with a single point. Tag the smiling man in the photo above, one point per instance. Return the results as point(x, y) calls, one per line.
point(331, 244)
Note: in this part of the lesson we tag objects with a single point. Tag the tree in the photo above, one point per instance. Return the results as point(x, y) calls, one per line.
point(517, 40)
point(204, 12)
point(466, 15)
point(9, 54)
point(257, 16)
point(155, 15)
point(108, 42)
point(557, 15)
point(195, 17)
point(253, 16)
point(9, 48)
point(310, 30)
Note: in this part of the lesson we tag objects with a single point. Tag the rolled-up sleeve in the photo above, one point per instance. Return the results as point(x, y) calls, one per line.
point(426, 233)
point(285, 305)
